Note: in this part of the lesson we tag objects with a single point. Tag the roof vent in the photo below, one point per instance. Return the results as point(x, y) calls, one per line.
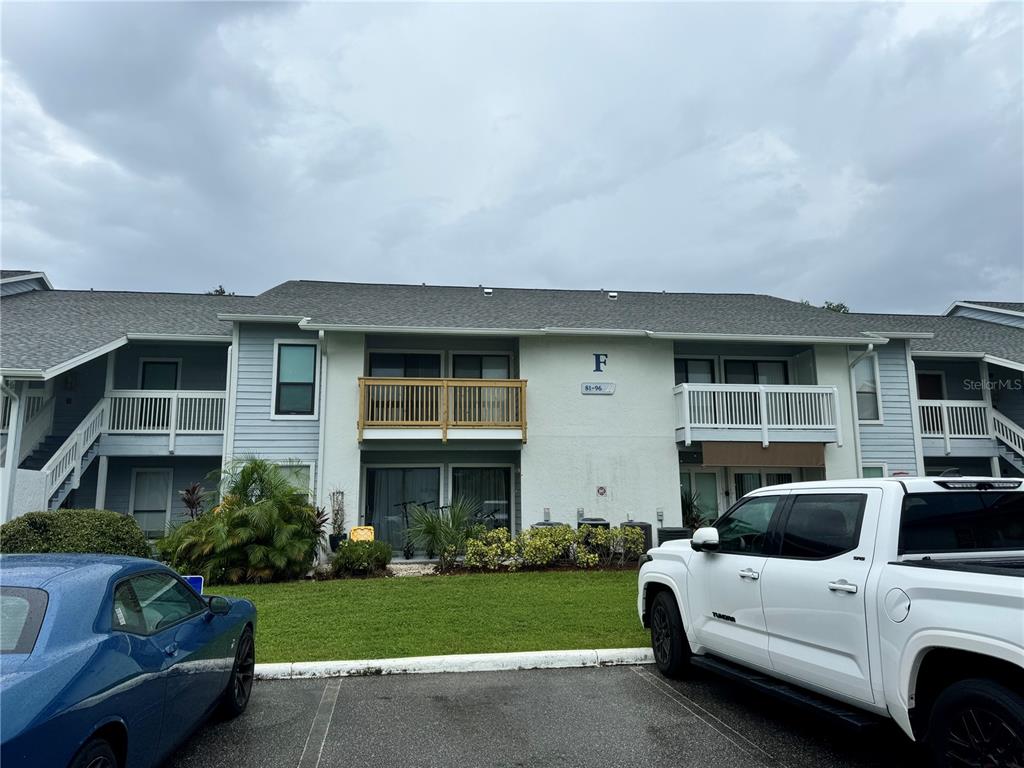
point(613, 295)
point(488, 291)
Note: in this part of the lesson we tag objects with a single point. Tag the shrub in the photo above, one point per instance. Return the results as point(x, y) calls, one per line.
point(446, 531)
point(611, 545)
point(361, 558)
point(547, 547)
point(263, 530)
point(491, 551)
point(75, 530)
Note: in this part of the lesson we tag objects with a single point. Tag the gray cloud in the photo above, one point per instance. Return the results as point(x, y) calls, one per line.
point(869, 153)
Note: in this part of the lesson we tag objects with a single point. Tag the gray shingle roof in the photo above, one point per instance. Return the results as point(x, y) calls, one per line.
point(955, 334)
point(41, 329)
point(522, 309)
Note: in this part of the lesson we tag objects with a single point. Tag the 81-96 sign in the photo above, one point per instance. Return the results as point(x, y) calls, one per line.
point(597, 388)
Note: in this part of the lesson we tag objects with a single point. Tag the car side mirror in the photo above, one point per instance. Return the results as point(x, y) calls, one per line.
point(705, 540)
point(219, 605)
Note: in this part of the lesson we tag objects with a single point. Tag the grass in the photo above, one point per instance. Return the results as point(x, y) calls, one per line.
point(429, 615)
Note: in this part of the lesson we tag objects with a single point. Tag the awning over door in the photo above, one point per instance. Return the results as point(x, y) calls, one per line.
point(721, 454)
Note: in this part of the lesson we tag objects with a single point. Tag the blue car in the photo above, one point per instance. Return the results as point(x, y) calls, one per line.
point(111, 662)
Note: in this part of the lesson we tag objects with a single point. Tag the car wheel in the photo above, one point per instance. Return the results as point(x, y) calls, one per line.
point(236, 697)
point(668, 639)
point(977, 723)
point(97, 753)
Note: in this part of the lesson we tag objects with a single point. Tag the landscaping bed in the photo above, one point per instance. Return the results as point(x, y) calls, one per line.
point(426, 616)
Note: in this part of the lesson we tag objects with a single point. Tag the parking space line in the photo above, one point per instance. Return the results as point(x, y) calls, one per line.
point(718, 725)
point(317, 736)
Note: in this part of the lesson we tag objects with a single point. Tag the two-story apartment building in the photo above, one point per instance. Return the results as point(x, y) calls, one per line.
point(539, 404)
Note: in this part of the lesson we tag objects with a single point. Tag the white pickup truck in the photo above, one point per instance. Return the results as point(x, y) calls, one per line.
point(897, 597)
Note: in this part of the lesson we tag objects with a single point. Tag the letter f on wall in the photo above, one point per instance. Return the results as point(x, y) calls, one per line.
point(600, 361)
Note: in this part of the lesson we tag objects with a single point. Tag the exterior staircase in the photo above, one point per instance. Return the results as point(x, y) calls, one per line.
point(43, 452)
point(63, 470)
point(69, 483)
point(1009, 440)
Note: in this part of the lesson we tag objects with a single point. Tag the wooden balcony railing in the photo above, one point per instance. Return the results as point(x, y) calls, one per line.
point(442, 404)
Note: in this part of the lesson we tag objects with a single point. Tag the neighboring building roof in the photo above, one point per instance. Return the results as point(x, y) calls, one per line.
point(368, 307)
point(958, 336)
point(45, 330)
point(1012, 306)
point(999, 307)
point(8, 276)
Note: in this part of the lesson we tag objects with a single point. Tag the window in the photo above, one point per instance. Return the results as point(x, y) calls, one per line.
point(405, 365)
point(480, 366)
point(153, 601)
point(745, 482)
point(158, 374)
point(21, 614)
point(151, 500)
point(490, 488)
point(873, 470)
point(820, 526)
point(931, 385)
point(756, 372)
point(745, 529)
point(961, 522)
point(694, 371)
point(296, 380)
point(299, 475)
point(865, 387)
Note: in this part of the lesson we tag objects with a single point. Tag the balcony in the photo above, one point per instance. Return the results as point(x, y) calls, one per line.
point(444, 409)
point(170, 413)
point(757, 412)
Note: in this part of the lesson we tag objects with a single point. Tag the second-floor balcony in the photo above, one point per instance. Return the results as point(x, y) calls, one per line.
point(763, 413)
point(445, 409)
point(165, 412)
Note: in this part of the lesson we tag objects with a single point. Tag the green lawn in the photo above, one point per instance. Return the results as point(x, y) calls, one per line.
point(428, 615)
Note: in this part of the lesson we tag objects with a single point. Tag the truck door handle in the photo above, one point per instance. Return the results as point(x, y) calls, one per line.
point(749, 573)
point(842, 586)
point(171, 649)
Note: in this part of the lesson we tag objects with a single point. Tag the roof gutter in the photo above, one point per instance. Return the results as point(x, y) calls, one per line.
point(238, 318)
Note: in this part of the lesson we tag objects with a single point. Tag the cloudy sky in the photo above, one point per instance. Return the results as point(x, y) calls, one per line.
point(860, 152)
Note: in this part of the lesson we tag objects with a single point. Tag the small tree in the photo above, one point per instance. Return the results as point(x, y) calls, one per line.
point(836, 306)
point(220, 290)
point(193, 497)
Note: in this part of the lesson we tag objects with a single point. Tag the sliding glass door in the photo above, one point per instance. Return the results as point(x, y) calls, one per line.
point(390, 494)
point(488, 487)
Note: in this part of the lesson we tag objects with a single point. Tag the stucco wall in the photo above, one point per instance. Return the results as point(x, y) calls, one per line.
point(341, 471)
point(624, 442)
point(833, 370)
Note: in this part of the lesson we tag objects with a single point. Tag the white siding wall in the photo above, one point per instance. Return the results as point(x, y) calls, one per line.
point(255, 433)
point(341, 465)
point(833, 370)
point(624, 442)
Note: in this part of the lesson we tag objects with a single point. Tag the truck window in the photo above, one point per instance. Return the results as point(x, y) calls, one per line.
point(822, 525)
point(745, 528)
point(965, 521)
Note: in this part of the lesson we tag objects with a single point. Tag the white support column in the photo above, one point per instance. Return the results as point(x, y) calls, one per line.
point(687, 429)
point(111, 362)
point(172, 422)
point(986, 393)
point(101, 482)
point(15, 391)
point(762, 403)
point(996, 471)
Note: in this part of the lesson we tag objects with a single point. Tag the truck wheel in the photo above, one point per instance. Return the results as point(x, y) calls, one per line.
point(977, 722)
point(668, 639)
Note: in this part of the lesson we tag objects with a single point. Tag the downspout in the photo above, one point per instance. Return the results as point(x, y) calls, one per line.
point(856, 412)
point(322, 421)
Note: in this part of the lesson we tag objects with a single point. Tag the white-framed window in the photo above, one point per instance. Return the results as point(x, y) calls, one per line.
point(694, 370)
point(874, 470)
point(296, 379)
point(481, 365)
point(299, 474)
point(866, 390)
point(160, 373)
point(150, 499)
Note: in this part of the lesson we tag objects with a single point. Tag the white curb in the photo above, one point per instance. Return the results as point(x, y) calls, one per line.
point(468, 662)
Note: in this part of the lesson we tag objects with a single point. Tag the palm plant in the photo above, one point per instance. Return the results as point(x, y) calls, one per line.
point(693, 515)
point(264, 529)
point(445, 531)
point(193, 497)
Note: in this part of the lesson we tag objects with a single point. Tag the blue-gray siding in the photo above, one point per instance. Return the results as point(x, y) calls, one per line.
point(892, 442)
point(256, 434)
point(119, 481)
point(203, 366)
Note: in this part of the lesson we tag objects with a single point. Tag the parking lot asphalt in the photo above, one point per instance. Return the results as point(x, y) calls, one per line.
point(611, 716)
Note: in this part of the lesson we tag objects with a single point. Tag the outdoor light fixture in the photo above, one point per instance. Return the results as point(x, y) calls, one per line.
point(660, 512)
point(579, 513)
point(547, 514)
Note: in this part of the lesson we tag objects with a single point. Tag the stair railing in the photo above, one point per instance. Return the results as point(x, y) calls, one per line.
point(1009, 432)
point(68, 458)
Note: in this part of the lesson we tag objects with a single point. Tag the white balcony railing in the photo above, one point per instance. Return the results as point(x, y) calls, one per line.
point(171, 413)
point(955, 420)
point(764, 408)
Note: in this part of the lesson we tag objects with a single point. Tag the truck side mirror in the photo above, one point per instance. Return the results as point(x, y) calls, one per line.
point(705, 540)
